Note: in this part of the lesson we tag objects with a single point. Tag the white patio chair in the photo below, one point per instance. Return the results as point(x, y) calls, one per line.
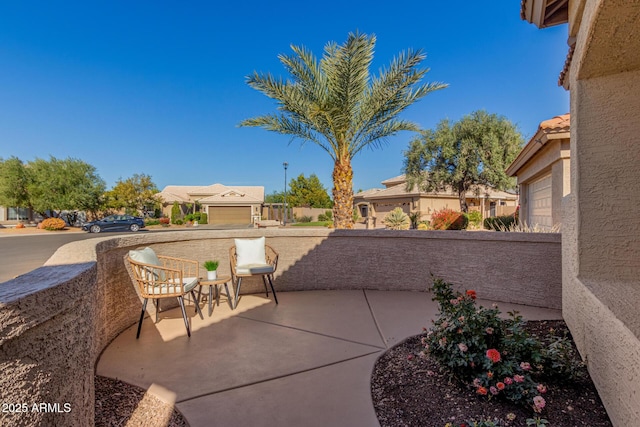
point(252, 257)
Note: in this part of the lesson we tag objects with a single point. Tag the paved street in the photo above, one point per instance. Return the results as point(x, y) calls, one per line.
point(20, 254)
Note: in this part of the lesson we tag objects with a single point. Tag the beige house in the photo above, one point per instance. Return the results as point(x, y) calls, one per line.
point(542, 168)
point(600, 230)
point(376, 203)
point(223, 205)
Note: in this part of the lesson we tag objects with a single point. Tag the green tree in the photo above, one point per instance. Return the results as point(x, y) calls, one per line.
point(275, 197)
point(68, 184)
point(176, 213)
point(472, 152)
point(14, 178)
point(336, 104)
point(136, 195)
point(308, 192)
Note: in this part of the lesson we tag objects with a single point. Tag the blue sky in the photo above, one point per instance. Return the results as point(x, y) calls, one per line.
point(160, 87)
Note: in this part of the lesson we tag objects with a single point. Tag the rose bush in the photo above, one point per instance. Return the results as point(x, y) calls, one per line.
point(495, 357)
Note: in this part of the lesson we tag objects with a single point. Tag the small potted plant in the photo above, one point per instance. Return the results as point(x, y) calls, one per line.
point(212, 269)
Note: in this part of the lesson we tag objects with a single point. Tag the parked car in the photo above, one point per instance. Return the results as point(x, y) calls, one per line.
point(114, 222)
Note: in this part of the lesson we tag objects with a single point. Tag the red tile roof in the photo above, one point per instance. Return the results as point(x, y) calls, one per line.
point(558, 123)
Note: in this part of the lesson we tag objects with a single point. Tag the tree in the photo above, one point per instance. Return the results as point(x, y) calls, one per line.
point(336, 104)
point(14, 177)
point(69, 184)
point(308, 192)
point(464, 156)
point(136, 195)
point(275, 197)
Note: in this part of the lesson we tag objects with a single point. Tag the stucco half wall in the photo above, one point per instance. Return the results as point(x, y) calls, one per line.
point(56, 320)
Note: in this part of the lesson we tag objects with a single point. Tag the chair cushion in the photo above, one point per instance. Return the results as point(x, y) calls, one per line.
point(250, 251)
point(148, 256)
point(189, 284)
point(247, 269)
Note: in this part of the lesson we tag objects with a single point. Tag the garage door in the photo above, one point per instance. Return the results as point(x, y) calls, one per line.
point(229, 214)
point(540, 202)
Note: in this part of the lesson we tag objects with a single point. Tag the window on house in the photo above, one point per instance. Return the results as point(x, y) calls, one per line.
point(18, 214)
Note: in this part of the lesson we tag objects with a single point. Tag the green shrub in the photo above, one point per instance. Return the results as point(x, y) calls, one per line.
point(152, 221)
point(495, 357)
point(178, 222)
point(448, 219)
point(304, 218)
point(422, 226)
point(326, 216)
point(499, 223)
point(203, 218)
point(175, 213)
point(53, 224)
point(397, 220)
point(189, 217)
point(475, 219)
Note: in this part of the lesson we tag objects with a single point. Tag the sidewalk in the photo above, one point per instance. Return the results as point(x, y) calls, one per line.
point(306, 361)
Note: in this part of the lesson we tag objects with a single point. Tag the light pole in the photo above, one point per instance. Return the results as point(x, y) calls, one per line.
point(284, 213)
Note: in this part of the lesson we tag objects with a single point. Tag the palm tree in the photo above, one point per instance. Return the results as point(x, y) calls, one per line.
point(336, 104)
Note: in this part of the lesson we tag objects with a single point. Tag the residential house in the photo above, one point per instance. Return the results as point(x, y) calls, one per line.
point(223, 204)
point(12, 216)
point(600, 230)
point(542, 169)
point(374, 204)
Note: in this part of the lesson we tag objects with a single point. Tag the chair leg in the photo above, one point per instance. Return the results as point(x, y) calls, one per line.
point(184, 315)
point(265, 285)
point(235, 304)
point(193, 295)
point(272, 288)
point(144, 308)
point(157, 304)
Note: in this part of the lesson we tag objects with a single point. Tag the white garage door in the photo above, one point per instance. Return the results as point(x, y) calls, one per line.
point(229, 214)
point(540, 202)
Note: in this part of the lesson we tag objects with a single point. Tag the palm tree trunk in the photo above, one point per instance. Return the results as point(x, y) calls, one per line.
point(343, 193)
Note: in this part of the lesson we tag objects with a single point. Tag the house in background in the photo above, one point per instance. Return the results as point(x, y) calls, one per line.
point(600, 230)
point(374, 204)
point(542, 169)
point(222, 204)
point(12, 216)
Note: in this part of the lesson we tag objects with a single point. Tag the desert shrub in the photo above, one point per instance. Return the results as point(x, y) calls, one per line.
point(326, 216)
point(204, 218)
point(164, 220)
point(397, 220)
point(414, 217)
point(475, 219)
point(152, 221)
point(305, 218)
point(499, 223)
point(53, 224)
point(178, 222)
point(422, 226)
point(495, 357)
point(448, 219)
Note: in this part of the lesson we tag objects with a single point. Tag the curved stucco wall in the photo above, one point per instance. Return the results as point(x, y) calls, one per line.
point(56, 320)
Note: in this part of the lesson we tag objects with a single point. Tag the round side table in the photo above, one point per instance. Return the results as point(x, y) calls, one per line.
point(221, 280)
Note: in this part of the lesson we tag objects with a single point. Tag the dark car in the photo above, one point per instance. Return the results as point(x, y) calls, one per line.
point(114, 222)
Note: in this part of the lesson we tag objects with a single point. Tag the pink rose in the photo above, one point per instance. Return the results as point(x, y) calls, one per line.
point(538, 403)
point(525, 366)
point(518, 378)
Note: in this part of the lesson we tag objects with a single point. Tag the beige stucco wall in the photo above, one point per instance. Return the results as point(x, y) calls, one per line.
point(601, 237)
point(56, 320)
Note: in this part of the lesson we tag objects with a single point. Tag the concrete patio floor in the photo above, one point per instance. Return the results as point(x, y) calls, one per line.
point(306, 361)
